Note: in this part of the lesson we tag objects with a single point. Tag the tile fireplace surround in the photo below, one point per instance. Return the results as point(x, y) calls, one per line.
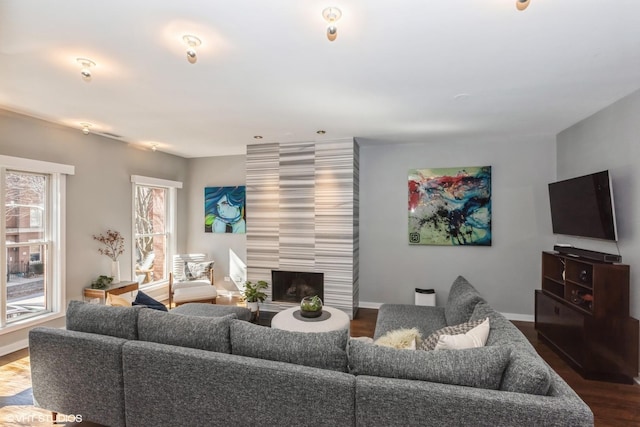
point(302, 215)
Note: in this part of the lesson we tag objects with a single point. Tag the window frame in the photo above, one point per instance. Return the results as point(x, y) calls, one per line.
point(157, 288)
point(55, 226)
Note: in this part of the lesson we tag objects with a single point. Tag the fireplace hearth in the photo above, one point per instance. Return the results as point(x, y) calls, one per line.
point(292, 286)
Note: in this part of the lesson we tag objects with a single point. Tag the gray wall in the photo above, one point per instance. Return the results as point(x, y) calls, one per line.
point(213, 172)
point(98, 195)
point(610, 139)
point(507, 273)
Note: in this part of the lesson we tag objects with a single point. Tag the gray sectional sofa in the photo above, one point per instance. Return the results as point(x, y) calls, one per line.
point(201, 365)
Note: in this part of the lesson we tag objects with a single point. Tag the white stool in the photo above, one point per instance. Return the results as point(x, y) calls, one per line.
point(286, 321)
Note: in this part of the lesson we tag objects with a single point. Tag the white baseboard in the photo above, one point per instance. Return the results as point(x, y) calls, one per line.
point(364, 304)
point(510, 316)
point(520, 317)
point(14, 346)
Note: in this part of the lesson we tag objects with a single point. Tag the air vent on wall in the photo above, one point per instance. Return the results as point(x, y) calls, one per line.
point(110, 135)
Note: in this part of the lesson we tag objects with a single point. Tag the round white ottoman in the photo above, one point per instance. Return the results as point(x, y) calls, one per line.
point(286, 321)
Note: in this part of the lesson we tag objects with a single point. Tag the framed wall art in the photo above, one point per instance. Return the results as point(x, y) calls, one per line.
point(224, 209)
point(450, 206)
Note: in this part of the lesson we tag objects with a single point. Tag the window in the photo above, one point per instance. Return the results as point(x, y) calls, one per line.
point(154, 224)
point(32, 195)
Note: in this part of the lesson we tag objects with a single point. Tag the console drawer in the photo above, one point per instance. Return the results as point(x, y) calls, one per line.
point(562, 325)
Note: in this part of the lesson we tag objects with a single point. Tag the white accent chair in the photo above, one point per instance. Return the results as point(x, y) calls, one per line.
point(183, 289)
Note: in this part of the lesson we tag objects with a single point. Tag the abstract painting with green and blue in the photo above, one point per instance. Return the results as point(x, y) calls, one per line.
point(450, 206)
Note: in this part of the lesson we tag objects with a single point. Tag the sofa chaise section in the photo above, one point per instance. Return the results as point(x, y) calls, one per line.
point(169, 386)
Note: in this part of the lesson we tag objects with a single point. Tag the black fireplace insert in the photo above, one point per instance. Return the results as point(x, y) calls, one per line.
point(292, 286)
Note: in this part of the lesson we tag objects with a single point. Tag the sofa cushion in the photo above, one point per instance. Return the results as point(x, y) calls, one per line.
point(526, 373)
point(477, 367)
point(430, 342)
point(120, 322)
point(461, 301)
point(146, 301)
point(205, 333)
point(211, 310)
point(399, 316)
point(325, 350)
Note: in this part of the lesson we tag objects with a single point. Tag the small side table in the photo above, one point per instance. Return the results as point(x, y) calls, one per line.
point(118, 288)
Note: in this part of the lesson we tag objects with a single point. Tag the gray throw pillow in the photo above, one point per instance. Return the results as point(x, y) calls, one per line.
point(475, 367)
point(326, 350)
point(461, 301)
point(204, 333)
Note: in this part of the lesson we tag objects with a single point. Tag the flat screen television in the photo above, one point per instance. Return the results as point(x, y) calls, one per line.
point(583, 207)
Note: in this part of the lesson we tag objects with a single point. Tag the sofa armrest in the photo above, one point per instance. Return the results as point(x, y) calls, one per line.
point(393, 402)
point(78, 373)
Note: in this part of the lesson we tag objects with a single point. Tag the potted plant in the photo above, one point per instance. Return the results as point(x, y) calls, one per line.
point(253, 294)
point(311, 306)
point(113, 247)
point(101, 282)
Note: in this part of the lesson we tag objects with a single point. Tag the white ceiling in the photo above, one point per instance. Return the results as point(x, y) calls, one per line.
point(266, 68)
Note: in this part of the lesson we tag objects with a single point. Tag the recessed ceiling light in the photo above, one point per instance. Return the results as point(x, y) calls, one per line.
point(461, 96)
point(321, 132)
point(85, 70)
point(522, 4)
point(192, 42)
point(257, 137)
point(331, 15)
point(85, 127)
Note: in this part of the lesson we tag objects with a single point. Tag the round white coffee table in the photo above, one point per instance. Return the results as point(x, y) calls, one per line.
point(285, 320)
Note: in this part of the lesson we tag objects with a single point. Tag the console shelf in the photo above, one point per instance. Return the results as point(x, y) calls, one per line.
point(582, 311)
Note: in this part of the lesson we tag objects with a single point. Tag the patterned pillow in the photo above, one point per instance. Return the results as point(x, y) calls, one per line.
point(197, 270)
point(432, 340)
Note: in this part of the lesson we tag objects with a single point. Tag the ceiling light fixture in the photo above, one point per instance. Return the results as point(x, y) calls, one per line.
point(321, 132)
point(192, 42)
point(85, 70)
point(331, 15)
point(257, 137)
point(522, 4)
point(85, 127)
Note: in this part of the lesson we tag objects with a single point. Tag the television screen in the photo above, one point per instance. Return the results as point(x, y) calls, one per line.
point(583, 207)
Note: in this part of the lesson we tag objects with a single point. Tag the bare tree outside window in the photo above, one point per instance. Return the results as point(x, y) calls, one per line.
point(150, 233)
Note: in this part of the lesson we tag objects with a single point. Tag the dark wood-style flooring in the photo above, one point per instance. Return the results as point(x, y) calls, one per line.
point(612, 404)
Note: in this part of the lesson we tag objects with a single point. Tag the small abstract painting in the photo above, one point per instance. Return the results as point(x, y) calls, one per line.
point(450, 206)
point(224, 209)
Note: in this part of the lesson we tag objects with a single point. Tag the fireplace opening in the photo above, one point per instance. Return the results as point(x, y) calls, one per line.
point(292, 286)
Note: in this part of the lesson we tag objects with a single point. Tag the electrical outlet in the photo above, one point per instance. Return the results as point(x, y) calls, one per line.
point(227, 278)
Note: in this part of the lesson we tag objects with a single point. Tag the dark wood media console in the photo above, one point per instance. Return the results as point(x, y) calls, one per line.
point(582, 312)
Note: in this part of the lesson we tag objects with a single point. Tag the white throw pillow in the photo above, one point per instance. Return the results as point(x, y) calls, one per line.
point(476, 337)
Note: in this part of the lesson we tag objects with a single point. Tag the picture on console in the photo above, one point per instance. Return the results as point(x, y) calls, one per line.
point(224, 209)
point(450, 206)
